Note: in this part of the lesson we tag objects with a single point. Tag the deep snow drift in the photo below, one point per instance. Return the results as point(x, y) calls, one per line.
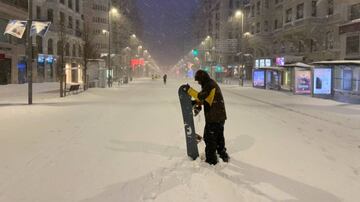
point(127, 144)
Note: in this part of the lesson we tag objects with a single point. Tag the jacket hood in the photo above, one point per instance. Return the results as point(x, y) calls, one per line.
point(202, 76)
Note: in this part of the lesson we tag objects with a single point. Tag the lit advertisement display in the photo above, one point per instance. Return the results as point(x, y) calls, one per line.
point(41, 58)
point(302, 82)
point(280, 61)
point(259, 78)
point(267, 63)
point(322, 81)
point(262, 63)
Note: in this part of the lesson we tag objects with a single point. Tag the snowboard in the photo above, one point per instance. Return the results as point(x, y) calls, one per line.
point(190, 135)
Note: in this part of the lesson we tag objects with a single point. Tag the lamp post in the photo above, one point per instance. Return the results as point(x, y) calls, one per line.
point(29, 52)
point(110, 11)
point(239, 14)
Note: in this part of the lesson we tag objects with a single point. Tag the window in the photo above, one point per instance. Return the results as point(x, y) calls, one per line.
point(70, 23)
point(301, 47)
point(258, 4)
point(266, 26)
point(70, 4)
point(313, 8)
point(347, 79)
point(80, 51)
point(276, 24)
point(258, 27)
point(39, 44)
point(313, 47)
point(252, 10)
point(62, 18)
point(38, 12)
point(50, 47)
point(231, 4)
point(267, 4)
point(50, 15)
point(329, 43)
point(77, 25)
point(59, 48)
point(355, 11)
point(62, 1)
point(74, 50)
point(352, 45)
point(288, 15)
point(77, 6)
point(67, 49)
point(300, 11)
point(330, 7)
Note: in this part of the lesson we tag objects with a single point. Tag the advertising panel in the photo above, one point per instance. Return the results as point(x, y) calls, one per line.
point(280, 61)
point(267, 62)
point(322, 81)
point(302, 82)
point(41, 58)
point(259, 78)
point(257, 63)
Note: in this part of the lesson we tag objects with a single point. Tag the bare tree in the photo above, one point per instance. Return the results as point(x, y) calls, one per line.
point(61, 51)
point(90, 50)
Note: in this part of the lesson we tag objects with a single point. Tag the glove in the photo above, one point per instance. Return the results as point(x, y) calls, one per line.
point(197, 109)
point(186, 87)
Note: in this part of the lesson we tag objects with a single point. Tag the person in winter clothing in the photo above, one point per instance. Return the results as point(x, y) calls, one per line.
point(215, 115)
point(165, 78)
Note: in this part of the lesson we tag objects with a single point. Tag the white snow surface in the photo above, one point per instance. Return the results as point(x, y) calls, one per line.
point(127, 144)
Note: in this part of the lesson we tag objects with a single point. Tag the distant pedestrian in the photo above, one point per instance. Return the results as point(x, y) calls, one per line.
point(165, 78)
point(110, 81)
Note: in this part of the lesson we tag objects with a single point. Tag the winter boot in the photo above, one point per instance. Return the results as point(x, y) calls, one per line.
point(224, 156)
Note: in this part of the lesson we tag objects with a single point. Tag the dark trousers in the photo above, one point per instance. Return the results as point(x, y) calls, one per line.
point(214, 141)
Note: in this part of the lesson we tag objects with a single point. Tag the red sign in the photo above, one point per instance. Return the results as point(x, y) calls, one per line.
point(2, 56)
point(137, 62)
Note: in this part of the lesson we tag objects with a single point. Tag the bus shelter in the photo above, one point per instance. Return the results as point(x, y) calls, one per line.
point(338, 80)
point(268, 77)
point(297, 78)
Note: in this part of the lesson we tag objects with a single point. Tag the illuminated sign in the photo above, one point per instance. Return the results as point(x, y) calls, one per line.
point(259, 78)
point(263, 63)
point(41, 59)
point(50, 59)
point(302, 82)
point(322, 81)
point(280, 61)
point(137, 62)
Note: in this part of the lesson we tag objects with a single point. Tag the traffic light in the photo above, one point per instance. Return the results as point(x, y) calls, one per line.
point(195, 52)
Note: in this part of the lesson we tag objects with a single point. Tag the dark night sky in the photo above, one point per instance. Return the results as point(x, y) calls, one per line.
point(166, 25)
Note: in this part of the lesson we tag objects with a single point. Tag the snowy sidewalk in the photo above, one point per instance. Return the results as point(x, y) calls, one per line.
point(18, 93)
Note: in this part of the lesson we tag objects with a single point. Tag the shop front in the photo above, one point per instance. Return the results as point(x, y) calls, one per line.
point(338, 80)
point(74, 73)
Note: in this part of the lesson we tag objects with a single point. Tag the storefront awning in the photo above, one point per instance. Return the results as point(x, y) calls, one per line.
point(338, 62)
point(273, 68)
point(298, 64)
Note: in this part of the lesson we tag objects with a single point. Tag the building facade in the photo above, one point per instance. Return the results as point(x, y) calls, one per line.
point(217, 31)
point(12, 50)
point(305, 30)
point(63, 41)
point(123, 18)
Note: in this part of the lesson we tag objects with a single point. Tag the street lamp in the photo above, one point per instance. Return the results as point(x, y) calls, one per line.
point(239, 14)
point(110, 11)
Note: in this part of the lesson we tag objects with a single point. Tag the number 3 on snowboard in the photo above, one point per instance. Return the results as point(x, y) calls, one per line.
point(188, 130)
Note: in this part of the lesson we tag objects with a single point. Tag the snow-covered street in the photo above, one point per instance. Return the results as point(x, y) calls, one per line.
point(127, 144)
